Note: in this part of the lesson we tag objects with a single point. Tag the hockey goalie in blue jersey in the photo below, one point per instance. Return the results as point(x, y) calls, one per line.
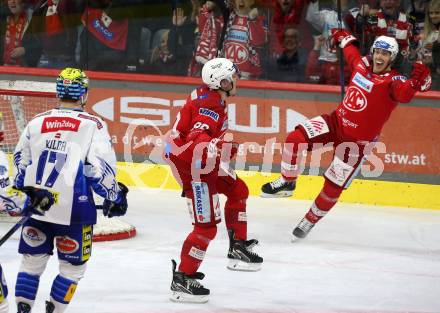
point(15, 203)
point(11, 203)
point(68, 152)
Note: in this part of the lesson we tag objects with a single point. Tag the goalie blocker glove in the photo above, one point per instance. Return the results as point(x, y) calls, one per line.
point(118, 207)
point(38, 202)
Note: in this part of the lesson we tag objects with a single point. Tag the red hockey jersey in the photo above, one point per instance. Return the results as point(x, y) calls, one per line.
point(203, 118)
point(369, 98)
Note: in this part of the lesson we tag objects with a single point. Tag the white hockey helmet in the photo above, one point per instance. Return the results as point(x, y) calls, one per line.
point(216, 70)
point(386, 43)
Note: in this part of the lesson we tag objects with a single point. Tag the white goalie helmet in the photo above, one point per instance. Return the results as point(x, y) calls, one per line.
point(386, 43)
point(216, 70)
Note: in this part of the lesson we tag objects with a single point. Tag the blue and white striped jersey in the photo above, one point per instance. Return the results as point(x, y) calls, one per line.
point(69, 153)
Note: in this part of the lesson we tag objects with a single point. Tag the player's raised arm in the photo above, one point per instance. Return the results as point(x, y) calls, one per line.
point(350, 45)
point(403, 89)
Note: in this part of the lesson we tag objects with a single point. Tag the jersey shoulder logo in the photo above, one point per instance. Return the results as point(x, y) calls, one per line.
point(56, 123)
point(92, 118)
point(400, 77)
point(363, 82)
point(202, 96)
point(209, 113)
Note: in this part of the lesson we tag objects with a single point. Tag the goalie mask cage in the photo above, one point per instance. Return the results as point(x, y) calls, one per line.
point(20, 101)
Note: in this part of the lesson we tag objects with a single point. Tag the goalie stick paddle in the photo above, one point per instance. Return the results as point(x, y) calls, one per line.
point(14, 229)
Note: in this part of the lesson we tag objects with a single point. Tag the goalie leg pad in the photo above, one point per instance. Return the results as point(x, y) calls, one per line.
point(4, 306)
point(3, 288)
point(194, 248)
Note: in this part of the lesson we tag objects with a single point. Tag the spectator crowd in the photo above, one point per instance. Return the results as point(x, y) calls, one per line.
point(278, 40)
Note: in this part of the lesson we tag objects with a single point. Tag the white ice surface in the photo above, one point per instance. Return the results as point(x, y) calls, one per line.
point(358, 259)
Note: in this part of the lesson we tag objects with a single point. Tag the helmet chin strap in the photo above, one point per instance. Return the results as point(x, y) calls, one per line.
point(83, 100)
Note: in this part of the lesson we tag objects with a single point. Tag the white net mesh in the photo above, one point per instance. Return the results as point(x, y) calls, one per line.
point(17, 111)
point(19, 102)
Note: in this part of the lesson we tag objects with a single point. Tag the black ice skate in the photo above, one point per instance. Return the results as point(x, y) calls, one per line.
point(23, 307)
point(302, 229)
point(186, 288)
point(240, 255)
point(277, 189)
point(50, 307)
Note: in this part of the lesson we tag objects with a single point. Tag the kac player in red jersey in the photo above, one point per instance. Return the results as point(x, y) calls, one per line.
point(199, 156)
point(374, 91)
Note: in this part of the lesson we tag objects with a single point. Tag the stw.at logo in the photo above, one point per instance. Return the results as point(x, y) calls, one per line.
point(354, 100)
point(55, 124)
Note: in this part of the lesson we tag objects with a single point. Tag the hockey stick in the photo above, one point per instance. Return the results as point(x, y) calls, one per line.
point(21, 223)
point(341, 54)
point(225, 12)
point(14, 229)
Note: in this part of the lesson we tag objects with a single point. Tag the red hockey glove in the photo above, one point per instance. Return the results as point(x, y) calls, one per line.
point(341, 38)
point(421, 77)
point(2, 136)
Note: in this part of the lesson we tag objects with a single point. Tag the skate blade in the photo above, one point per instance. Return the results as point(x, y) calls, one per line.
point(295, 239)
point(280, 194)
point(187, 298)
point(237, 265)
